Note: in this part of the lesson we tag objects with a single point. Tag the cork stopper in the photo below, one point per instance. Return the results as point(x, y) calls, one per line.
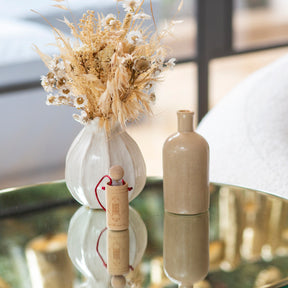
point(116, 172)
point(118, 281)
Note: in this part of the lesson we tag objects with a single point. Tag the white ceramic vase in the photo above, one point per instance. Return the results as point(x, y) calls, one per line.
point(90, 156)
point(84, 232)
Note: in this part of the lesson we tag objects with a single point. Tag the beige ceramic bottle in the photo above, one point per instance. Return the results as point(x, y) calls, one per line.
point(186, 169)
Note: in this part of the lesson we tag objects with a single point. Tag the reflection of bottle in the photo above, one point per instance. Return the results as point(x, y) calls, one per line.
point(186, 248)
point(185, 169)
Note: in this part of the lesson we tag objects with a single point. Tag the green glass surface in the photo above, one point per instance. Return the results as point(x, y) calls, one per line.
point(248, 234)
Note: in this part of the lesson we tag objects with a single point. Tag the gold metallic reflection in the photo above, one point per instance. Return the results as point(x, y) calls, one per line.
point(245, 227)
point(249, 226)
point(3, 284)
point(48, 262)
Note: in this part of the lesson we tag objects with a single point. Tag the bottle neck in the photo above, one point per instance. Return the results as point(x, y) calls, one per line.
point(185, 121)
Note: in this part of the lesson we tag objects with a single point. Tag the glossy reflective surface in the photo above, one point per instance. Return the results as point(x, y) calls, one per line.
point(248, 240)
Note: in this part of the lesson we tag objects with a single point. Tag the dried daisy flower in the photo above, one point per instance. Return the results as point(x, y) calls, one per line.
point(109, 67)
point(131, 5)
point(80, 101)
point(171, 63)
point(141, 16)
point(135, 37)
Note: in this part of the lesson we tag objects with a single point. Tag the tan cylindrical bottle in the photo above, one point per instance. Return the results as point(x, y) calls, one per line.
point(118, 252)
point(186, 248)
point(186, 169)
point(117, 203)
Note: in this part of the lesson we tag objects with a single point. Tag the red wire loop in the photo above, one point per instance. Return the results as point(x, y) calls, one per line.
point(129, 188)
point(96, 192)
point(97, 247)
point(103, 188)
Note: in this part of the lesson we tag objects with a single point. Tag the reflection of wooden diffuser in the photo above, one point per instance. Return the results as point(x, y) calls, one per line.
point(49, 263)
point(117, 203)
point(118, 252)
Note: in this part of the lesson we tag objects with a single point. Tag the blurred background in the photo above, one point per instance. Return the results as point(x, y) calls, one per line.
point(216, 47)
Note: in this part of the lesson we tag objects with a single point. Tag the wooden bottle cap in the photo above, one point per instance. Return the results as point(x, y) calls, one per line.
point(118, 281)
point(116, 172)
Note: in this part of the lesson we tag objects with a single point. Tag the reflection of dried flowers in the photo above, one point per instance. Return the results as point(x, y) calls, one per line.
point(110, 67)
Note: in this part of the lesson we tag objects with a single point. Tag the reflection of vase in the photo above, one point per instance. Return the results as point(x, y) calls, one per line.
point(86, 228)
point(185, 169)
point(186, 248)
point(91, 155)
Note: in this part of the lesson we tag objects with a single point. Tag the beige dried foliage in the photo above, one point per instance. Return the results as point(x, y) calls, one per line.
point(61, 7)
point(112, 64)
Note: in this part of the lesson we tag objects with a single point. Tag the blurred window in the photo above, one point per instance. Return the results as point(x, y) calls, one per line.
point(259, 22)
point(183, 41)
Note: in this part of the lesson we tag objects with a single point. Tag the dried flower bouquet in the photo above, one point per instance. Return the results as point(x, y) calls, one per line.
point(109, 68)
